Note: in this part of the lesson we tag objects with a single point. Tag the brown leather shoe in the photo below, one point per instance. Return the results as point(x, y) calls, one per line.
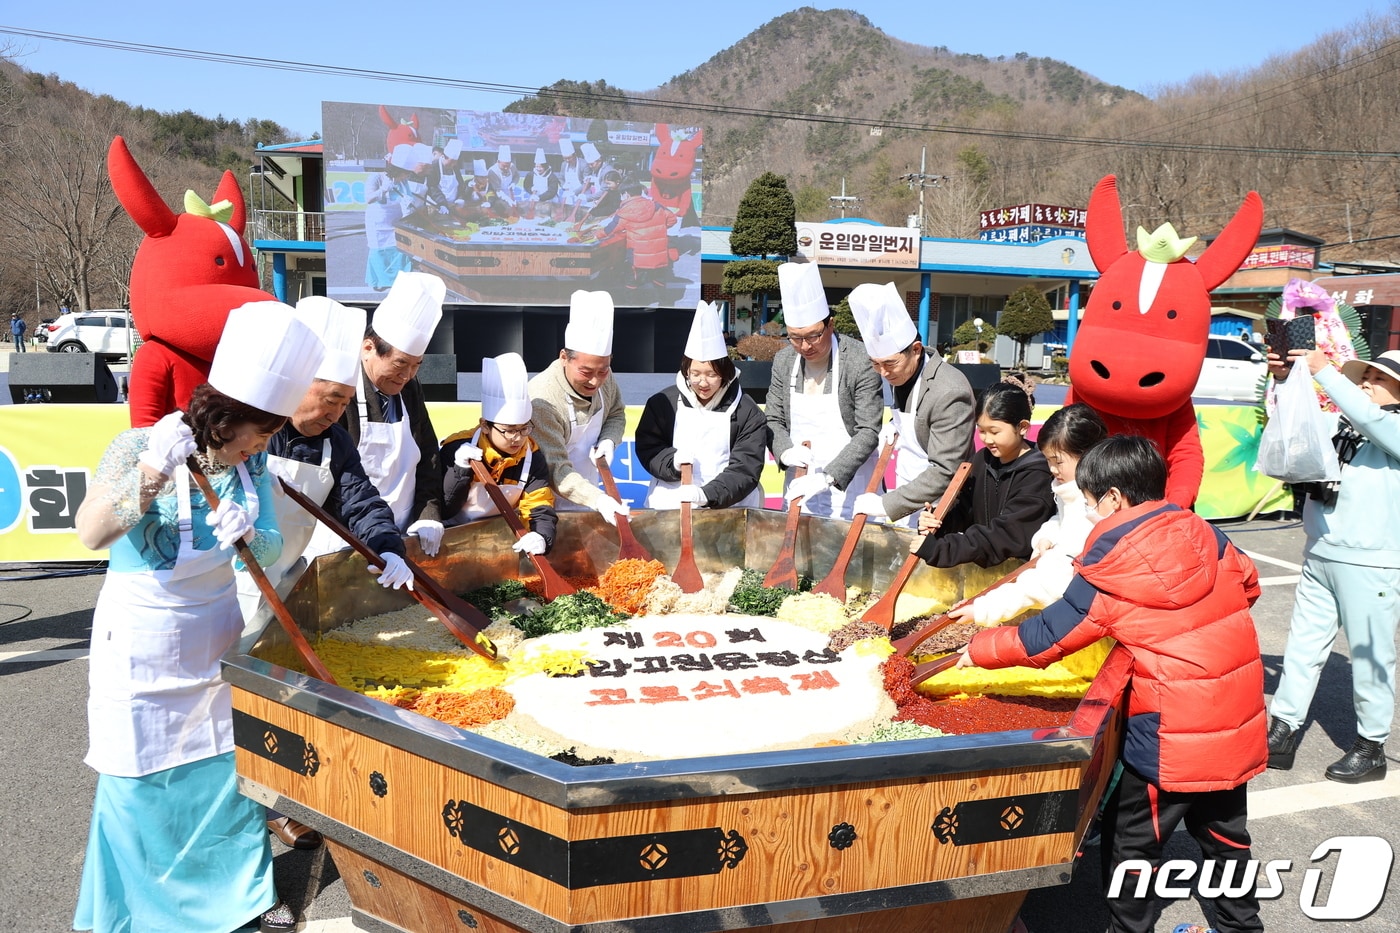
point(294, 834)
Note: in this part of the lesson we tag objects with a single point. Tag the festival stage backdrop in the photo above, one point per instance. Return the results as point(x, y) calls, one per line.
point(49, 454)
point(494, 230)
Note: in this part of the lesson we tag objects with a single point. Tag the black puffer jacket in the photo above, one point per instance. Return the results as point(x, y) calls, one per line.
point(999, 509)
point(748, 442)
point(353, 498)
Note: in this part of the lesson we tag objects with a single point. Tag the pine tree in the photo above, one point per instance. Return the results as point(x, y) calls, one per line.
point(1026, 314)
point(765, 225)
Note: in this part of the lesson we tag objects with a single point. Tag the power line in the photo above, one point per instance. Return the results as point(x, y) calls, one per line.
point(671, 104)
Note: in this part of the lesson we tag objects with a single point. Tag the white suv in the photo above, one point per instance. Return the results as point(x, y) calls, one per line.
point(1233, 370)
point(104, 331)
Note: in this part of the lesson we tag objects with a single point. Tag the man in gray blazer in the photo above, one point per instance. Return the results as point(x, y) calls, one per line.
point(838, 417)
point(930, 401)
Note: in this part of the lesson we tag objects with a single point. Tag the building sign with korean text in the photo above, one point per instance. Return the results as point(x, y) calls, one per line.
point(859, 245)
point(1051, 215)
point(1282, 255)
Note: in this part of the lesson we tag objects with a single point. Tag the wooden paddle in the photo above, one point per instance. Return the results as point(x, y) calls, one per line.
point(554, 585)
point(462, 619)
point(784, 569)
point(882, 613)
point(687, 574)
point(908, 643)
point(630, 548)
point(923, 672)
point(834, 583)
point(279, 608)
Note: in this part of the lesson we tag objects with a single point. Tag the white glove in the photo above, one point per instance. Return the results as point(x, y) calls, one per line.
point(610, 509)
point(683, 458)
point(168, 444)
point(796, 456)
point(465, 455)
point(529, 543)
point(230, 522)
point(395, 574)
point(887, 433)
point(604, 448)
point(429, 535)
point(692, 494)
point(809, 485)
point(870, 503)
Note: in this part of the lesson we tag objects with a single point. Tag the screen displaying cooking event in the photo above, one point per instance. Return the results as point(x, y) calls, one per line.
point(511, 208)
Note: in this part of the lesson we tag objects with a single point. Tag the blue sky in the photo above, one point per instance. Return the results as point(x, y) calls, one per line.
point(633, 45)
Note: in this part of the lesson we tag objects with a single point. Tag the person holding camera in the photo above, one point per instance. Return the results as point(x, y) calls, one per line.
point(1351, 570)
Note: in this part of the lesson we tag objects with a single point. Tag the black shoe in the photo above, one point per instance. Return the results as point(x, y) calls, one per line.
point(1282, 742)
point(1365, 762)
point(279, 919)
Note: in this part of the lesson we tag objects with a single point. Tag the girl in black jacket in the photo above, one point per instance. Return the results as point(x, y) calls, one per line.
point(1006, 497)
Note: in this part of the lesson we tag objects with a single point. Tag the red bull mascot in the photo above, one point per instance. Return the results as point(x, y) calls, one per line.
point(1143, 338)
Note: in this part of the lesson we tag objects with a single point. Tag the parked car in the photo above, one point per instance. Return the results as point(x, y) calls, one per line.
point(1233, 370)
point(104, 331)
point(41, 333)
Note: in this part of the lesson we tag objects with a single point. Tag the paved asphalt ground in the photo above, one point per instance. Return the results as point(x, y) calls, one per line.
point(46, 791)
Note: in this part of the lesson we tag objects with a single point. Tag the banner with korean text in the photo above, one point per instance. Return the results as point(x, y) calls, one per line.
point(859, 244)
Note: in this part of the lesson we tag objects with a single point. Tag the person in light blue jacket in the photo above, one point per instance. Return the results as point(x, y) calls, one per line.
point(1351, 566)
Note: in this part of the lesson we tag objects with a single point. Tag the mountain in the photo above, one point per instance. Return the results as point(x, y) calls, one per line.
point(1301, 129)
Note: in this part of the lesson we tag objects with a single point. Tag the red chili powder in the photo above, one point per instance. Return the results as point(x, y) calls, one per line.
point(965, 716)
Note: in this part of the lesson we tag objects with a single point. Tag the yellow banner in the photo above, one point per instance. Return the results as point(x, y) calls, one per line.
point(49, 454)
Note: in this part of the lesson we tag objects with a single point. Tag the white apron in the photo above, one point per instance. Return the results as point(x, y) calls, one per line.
point(479, 503)
point(297, 525)
point(582, 439)
point(381, 214)
point(448, 185)
point(910, 460)
point(155, 696)
point(817, 418)
point(390, 458)
point(706, 435)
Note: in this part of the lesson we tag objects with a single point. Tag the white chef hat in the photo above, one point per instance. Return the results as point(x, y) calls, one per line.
point(479, 168)
point(505, 396)
point(409, 314)
point(566, 147)
point(804, 300)
point(589, 152)
point(342, 330)
point(423, 153)
point(884, 321)
point(404, 157)
point(539, 157)
point(266, 357)
point(706, 340)
point(590, 328)
point(453, 149)
point(503, 154)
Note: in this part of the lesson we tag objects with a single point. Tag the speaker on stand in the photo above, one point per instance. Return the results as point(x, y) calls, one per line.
point(61, 377)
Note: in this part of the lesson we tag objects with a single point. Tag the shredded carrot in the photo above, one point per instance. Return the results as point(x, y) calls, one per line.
point(465, 709)
point(625, 584)
point(535, 584)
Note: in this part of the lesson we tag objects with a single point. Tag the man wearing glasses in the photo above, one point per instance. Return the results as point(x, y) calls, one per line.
point(825, 394)
point(930, 401)
point(503, 444)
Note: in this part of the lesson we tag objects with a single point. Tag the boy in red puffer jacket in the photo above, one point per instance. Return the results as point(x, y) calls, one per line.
point(643, 224)
point(1175, 593)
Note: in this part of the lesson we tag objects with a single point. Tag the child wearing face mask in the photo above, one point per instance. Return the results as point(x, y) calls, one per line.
point(1174, 592)
point(1065, 438)
point(1006, 497)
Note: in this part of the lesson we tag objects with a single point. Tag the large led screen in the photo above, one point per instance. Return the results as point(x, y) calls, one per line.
point(511, 208)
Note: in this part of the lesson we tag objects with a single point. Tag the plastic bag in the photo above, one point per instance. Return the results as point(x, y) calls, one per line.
point(1296, 445)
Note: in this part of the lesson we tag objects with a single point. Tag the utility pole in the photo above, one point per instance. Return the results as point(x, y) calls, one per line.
point(843, 199)
point(921, 180)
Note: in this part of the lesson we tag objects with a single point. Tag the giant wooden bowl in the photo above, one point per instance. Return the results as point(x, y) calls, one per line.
point(435, 828)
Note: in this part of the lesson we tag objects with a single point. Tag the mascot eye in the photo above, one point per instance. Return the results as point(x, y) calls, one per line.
point(1171, 315)
point(1118, 306)
point(218, 260)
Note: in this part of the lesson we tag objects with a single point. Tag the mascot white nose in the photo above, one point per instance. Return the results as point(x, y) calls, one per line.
point(1152, 273)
